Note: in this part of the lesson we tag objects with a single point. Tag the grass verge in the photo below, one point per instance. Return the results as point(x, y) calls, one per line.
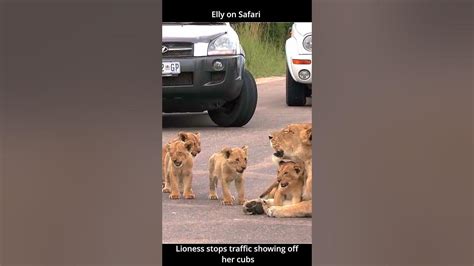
point(265, 56)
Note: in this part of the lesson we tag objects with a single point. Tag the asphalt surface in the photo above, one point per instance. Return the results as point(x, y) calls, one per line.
point(207, 221)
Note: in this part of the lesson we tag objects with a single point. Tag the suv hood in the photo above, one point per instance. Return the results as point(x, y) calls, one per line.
point(193, 33)
point(303, 27)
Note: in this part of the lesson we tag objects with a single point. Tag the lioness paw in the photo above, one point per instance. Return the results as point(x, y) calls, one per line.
point(213, 197)
point(166, 190)
point(253, 207)
point(174, 196)
point(270, 211)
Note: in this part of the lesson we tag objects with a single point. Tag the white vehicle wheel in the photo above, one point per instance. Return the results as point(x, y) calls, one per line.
point(295, 92)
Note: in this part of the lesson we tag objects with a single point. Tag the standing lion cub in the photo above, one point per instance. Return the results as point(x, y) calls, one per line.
point(194, 138)
point(228, 165)
point(180, 168)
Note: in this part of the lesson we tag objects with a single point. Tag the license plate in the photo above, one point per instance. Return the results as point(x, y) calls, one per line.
point(170, 68)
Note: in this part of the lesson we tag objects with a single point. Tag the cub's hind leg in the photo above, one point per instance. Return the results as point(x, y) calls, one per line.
point(166, 174)
point(239, 185)
point(212, 179)
point(212, 187)
point(228, 199)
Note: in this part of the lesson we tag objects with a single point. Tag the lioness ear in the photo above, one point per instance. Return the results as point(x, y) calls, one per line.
point(198, 134)
point(182, 136)
point(307, 135)
point(226, 151)
point(168, 147)
point(188, 145)
point(246, 149)
point(297, 169)
point(301, 165)
point(289, 129)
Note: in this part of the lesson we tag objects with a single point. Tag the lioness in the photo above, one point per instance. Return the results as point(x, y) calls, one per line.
point(290, 143)
point(289, 185)
point(228, 165)
point(194, 138)
point(294, 143)
point(180, 167)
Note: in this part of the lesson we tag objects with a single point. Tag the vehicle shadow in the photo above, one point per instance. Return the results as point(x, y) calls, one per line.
point(187, 120)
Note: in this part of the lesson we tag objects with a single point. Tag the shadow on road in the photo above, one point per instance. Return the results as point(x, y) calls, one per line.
point(187, 120)
point(202, 120)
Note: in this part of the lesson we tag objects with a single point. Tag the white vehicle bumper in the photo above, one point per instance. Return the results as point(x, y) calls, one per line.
point(298, 62)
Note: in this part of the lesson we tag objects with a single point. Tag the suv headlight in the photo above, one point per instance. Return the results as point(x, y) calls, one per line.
point(308, 43)
point(222, 45)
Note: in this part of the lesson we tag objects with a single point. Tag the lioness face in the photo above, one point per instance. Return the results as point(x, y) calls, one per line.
point(290, 174)
point(288, 140)
point(194, 139)
point(236, 158)
point(284, 142)
point(179, 151)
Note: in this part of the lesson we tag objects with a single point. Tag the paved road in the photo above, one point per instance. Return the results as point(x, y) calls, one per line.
point(205, 221)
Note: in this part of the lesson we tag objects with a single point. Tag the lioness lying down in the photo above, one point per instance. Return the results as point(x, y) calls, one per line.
point(228, 165)
point(291, 143)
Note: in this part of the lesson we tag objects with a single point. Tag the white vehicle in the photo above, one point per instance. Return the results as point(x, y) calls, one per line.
point(298, 50)
point(203, 69)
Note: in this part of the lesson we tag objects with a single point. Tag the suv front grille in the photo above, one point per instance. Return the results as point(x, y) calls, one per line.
point(183, 79)
point(177, 49)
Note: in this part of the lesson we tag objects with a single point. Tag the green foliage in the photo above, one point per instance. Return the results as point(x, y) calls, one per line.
point(264, 46)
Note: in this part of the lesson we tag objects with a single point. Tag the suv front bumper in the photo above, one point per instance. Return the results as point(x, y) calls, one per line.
point(296, 68)
point(199, 86)
point(294, 50)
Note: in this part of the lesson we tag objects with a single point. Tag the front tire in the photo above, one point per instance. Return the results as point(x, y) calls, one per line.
point(295, 92)
point(238, 112)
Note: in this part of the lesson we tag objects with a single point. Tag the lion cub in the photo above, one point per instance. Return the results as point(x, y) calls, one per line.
point(195, 139)
point(289, 185)
point(180, 168)
point(228, 165)
point(291, 177)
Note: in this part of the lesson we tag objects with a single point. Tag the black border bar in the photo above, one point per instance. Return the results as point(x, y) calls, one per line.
point(201, 11)
point(197, 254)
